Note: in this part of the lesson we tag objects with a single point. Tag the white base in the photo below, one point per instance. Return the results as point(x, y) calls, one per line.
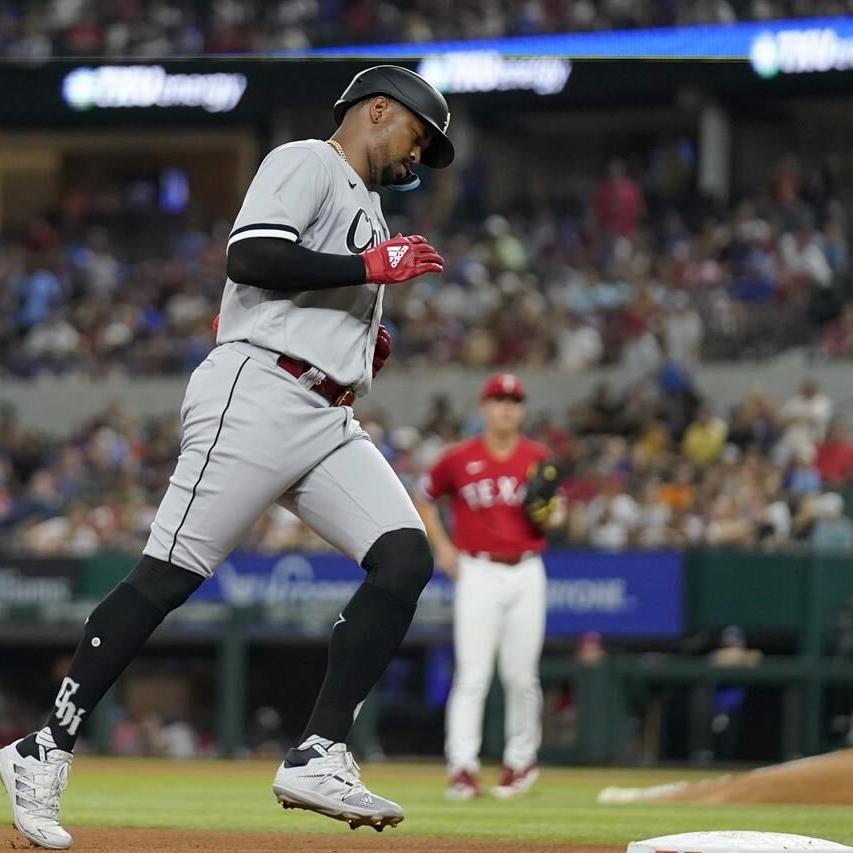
point(735, 841)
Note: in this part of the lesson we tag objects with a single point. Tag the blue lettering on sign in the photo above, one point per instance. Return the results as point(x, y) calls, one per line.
point(633, 594)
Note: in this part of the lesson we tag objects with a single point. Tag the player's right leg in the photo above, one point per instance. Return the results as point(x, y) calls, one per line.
point(233, 464)
point(34, 770)
point(477, 609)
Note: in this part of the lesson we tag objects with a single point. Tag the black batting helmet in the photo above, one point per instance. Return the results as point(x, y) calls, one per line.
point(410, 89)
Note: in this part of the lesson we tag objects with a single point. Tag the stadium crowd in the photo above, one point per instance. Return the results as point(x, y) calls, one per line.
point(161, 28)
point(614, 272)
point(650, 466)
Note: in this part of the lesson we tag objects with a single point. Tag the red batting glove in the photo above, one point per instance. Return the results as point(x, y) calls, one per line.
point(400, 259)
point(382, 349)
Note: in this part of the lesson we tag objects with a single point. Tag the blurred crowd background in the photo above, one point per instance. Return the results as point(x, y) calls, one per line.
point(616, 269)
point(40, 29)
point(651, 465)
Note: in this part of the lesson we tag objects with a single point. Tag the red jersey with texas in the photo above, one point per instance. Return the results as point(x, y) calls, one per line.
point(485, 496)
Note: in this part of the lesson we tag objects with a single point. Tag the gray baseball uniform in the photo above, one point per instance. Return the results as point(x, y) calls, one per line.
point(305, 192)
point(252, 434)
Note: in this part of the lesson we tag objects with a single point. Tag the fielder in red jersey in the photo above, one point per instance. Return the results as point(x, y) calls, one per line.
point(494, 556)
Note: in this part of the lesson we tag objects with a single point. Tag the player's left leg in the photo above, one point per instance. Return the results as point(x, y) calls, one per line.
point(355, 501)
point(518, 667)
point(478, 608)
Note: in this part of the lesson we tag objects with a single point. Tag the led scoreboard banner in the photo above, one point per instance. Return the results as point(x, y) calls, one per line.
point(806, 57)
point(806, 45)
point(123, 86)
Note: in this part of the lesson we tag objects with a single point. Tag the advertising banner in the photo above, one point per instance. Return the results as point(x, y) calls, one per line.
point(32, 581)
point(633, 594)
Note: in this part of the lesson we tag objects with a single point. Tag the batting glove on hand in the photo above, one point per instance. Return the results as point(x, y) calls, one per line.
point(400, 259)
point(382, 349)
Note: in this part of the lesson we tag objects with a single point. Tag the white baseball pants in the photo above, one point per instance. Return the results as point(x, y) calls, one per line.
point(498, 612)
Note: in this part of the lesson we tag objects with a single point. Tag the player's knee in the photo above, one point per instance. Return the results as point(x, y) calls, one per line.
point(472, 685)
point(165, 585)
point(400, 562)
point(520, 682)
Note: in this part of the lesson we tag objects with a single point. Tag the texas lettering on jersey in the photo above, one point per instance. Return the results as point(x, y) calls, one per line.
point(489, 492)
point(486, 496)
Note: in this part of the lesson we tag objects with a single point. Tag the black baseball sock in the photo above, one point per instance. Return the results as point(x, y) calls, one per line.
point(363, 642)
point(370, 631)
point(113, 634)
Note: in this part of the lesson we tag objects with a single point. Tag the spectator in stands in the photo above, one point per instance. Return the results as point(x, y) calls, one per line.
point(53, 344)
point(679, 493)
point(683, 331)
point(774, 528)
point(802, 478)
point(704, 439)
point(579, 344)
point(787, 181)
point(754, 265)
point(618, 203)
point(590, 650)
point(654, 522)
point(837, 341)
point(728, 526)
point(754, 423)
point(834, 241)
point(729, 699)
point(612, 517)
point(832, 532)
point(598, 414)
point(805, 417)
point(40, 499)
point(36, 289)
point(834, 456)
point(804, 262)
point(652, 446)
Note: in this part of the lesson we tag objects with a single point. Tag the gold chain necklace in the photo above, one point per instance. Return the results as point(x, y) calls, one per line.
point(340, 151)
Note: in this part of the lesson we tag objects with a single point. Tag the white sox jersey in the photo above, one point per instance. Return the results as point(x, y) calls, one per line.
point(306, 193)
point(252, 434)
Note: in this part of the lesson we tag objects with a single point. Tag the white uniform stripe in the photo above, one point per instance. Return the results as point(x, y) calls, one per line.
point(263, 232)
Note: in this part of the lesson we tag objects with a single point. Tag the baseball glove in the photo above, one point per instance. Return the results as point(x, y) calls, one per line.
point(540, 499)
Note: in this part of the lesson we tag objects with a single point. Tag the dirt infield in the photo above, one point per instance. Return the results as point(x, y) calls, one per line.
point(97, 840)
point(822, 780)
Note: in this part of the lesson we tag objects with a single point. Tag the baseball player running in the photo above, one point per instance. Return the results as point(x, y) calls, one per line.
point(267, 418)
point(499, 604)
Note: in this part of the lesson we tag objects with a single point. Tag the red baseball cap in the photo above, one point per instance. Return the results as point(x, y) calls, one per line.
point(503, 385)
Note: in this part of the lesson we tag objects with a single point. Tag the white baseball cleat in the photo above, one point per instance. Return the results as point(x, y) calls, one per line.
point(513, 783)
point(323, 777)
point(34, 786)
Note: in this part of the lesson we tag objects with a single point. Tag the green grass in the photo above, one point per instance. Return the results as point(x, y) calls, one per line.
point(236, 796)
